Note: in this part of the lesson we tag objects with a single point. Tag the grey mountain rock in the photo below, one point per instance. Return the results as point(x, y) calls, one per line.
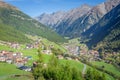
point(106, 33)
point(53, 20)
point(76, 21)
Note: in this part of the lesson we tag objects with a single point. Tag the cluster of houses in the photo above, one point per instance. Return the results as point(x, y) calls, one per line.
point(76, 51)
point(92, 55)
point(46, 49)
point(19, 60)
point(28, 46)
point(49, 52)
point(13, 58)
point(34, 45)
point(72, 49)
point(14, 45)
point(111, 57)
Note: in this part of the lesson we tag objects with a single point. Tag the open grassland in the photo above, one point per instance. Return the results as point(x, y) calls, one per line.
point(108, 77)
point(4, 47)
point(108, 67)
point(33, 52)
point(72, 63)
point(8, 72)
point(77, 64)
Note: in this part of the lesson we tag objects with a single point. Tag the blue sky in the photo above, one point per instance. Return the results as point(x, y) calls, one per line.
point(37, 7)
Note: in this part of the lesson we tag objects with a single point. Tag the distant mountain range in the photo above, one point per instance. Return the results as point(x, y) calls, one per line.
point(60, 21)
point(14, 24)
point(72, 23)
point(53, 20)
point(98, 26)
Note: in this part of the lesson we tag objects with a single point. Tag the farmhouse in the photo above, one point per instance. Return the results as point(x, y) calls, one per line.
point(47, 52)
point(14, 45)
point(29, 46)
point(11, 57)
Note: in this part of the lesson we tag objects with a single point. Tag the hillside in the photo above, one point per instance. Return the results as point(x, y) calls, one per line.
point(9, 34)
point(13, 17)
point(106, 33)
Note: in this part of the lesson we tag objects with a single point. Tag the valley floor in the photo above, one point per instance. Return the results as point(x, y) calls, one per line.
point(11, 72)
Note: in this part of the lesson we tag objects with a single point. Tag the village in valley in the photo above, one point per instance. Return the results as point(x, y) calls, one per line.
point(17, 58)
point(25, 56)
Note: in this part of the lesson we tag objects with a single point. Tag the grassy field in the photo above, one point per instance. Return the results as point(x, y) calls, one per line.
point(76, 64)
point(33, 53)
point(108, 67)
point(57, 46)
point(4, 47)
point(73, 63)
point(7, 72)
point(108, 77)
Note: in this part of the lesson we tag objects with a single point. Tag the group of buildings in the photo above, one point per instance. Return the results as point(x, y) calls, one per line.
point(15, 58)
point(10, 57)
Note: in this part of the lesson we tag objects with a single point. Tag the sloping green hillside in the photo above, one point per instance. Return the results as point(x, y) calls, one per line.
point(23, 23)
point(7, 33)
point(8, 72)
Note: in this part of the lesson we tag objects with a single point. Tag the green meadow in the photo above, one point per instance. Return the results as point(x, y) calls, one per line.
point(10, 69)
point(108, 67)
point(8, 72)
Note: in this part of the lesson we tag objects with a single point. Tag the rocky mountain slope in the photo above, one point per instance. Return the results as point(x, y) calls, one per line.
point(55, 19)
point(51, 20)
point(106, 33)
point(11, 16)
point(79, 21)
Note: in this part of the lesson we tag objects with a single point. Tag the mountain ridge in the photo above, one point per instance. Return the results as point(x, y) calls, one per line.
point(6, 5)
point(75, 27)
point(106, 33)
point(64, 16)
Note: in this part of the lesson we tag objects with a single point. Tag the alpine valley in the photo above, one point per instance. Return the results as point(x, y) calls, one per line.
point(79, 44)
point(85, 21)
